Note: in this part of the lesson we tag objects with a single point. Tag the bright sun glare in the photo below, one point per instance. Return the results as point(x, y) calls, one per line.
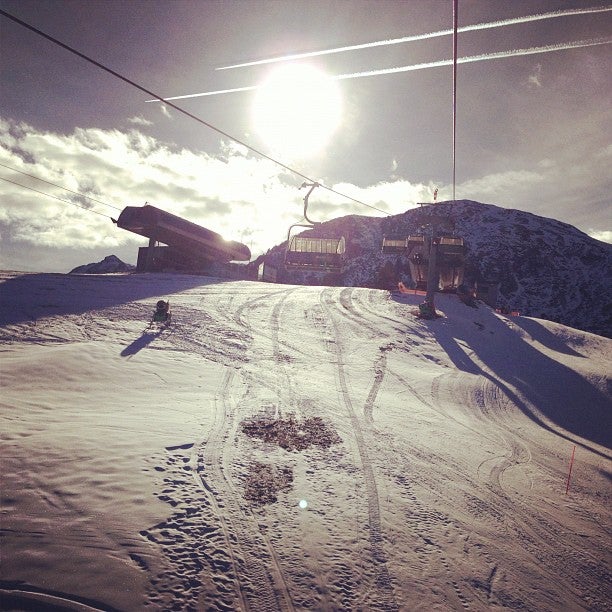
point(297, 110)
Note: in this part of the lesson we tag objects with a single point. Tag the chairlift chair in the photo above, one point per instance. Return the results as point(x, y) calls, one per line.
point(305, 251)
point(416, 247)
point(418, 260)
point(394, 246)
point(315, 253)
point(450, 262)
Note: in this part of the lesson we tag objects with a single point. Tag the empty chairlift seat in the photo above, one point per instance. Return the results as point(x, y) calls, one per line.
point(315, 253)
point(450, 262)
point(418, 249)
point(451, 249)
point(392, 245)
point(450, 258)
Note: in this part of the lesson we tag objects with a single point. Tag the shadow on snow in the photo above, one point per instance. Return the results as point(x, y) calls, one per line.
point(534, 382)
point(29, 297)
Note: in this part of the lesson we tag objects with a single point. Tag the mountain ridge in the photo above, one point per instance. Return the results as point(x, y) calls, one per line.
point(109, 265)
point(546, 268)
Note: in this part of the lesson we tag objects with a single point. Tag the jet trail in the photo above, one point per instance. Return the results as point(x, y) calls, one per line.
point(396, 41)
point(479, 58)
point(462, 60)
point(208, 93)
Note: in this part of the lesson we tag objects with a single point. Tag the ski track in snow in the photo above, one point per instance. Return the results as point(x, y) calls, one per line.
point(442, 493)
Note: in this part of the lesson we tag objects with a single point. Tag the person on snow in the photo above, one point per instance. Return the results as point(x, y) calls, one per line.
point(162, 312)
point(427, 310)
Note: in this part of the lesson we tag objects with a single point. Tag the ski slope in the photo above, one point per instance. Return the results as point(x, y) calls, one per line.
point(296, 448)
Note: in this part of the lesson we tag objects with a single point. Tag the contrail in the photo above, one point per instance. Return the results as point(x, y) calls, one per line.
point(209, 93)
point(461, 60)
point(479, 58)
point(396, 41)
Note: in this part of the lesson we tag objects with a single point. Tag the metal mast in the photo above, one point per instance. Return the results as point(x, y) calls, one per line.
point(455, 20)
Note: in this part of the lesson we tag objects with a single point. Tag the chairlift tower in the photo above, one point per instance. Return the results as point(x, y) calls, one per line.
point(432, 266)
point(435, 256)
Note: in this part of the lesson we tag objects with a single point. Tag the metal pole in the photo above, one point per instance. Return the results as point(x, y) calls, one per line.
point(567, 486)
point(432, 270)
point(455, 21)
point(312, 188)
point(150, 254)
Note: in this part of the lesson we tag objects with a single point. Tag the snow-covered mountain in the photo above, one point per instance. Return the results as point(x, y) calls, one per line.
point(545, 268)
point(108, 265)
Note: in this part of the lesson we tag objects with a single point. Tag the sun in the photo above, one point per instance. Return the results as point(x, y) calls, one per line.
point(297, 110)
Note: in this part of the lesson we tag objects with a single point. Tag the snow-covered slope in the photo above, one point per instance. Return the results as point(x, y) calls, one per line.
point(546, 268)
point(287, 447)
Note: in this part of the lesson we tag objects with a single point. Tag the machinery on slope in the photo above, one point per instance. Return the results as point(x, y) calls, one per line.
point(188, 245)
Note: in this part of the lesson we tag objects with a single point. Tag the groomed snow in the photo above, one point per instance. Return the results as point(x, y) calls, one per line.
point(438, 480)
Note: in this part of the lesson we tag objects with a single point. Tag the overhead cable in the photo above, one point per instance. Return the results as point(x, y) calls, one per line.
point(60, 187)
point(55, 197)
point(180, 110)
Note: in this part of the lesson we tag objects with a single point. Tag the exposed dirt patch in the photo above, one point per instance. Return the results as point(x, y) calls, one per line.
point(265, 481)
point(292, 434)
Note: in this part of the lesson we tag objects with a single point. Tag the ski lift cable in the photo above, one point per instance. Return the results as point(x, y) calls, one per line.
point(60, 187)
point(55, 197)
point(179, 109)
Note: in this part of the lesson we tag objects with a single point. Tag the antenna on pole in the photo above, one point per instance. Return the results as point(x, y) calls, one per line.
point(455, 20)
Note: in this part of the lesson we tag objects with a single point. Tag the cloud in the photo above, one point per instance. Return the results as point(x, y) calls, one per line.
point(237, 194)
point(489, 188)
point(605, 152)
point(139, 120)
point(574, 189)
point(535, 78)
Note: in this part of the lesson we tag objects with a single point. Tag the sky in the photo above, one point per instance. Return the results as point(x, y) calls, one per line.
point(532, 127)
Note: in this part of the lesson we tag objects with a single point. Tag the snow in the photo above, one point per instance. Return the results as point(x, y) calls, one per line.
point(437, 480)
